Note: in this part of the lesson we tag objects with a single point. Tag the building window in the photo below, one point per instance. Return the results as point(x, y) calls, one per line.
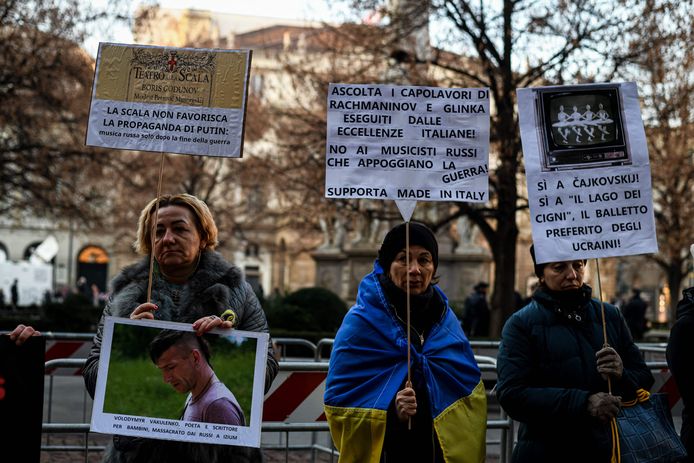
point(255, 199)
point(252, 250)
point(252, 273)
point(257, 85)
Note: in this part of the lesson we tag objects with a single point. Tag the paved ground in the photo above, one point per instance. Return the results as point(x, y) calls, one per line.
point(271, 456)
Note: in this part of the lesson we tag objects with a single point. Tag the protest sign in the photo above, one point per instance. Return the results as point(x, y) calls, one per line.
point(178, 100)
point(21, 397)
point(149, 380)
point(407, 143)
point(588, 174)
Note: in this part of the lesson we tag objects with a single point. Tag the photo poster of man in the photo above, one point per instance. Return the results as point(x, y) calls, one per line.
point(21, 397)
point(160, 380)
point(587, 170)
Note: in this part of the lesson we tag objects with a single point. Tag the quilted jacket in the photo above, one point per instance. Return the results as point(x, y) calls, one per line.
point(547, 369)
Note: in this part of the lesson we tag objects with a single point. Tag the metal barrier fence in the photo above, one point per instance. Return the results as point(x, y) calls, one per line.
point(283, 342)
point(479, 344)
point(487, 365)
point(317, 350)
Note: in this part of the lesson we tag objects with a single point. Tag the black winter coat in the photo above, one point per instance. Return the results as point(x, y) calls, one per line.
point(547, 369)
point(679, 354)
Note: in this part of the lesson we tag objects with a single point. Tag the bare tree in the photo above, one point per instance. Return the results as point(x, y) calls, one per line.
point(236, 190)
point(45, 82)
point(664, 71)
point(294, 153)
point(500, 45)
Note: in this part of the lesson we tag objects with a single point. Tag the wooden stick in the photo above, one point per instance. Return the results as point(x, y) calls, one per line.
point(407, 259)
point(407, 285)
point(153, 230)
point(605, 343)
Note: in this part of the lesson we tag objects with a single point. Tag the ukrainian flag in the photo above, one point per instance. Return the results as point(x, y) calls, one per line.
point(368, 365)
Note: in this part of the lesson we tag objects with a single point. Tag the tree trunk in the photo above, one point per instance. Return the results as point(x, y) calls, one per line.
point(503, 300)
point(504, 244)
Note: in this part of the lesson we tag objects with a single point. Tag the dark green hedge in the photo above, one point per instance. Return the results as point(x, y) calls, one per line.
point(76, 314)
point(306, 310)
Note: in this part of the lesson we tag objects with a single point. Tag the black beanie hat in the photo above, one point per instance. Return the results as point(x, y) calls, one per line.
point(394, 242)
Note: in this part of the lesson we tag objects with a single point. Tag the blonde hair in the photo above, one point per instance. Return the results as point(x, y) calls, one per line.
point(203, 221)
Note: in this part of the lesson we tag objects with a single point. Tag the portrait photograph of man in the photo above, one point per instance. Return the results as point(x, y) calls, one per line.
point(162, 380)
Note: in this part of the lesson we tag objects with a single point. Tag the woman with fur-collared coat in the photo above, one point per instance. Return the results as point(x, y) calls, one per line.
point(191, 284)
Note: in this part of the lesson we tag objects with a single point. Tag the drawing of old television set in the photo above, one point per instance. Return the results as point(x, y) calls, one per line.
point(581, 127)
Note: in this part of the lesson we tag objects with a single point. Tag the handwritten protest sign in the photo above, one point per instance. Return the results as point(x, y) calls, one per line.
point(407, 143)
point(178, 100)
point(586, 161)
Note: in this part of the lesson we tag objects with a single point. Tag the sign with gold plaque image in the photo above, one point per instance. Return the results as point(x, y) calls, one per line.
point(164, 99)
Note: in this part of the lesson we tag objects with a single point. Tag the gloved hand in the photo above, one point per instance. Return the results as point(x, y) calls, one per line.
point(609, 363)
point(604, 406)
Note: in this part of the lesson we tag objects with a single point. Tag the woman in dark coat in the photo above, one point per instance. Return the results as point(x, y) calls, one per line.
point(679, 353)
point(553, 369)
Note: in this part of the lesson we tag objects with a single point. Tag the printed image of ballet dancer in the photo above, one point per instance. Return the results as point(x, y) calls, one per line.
point(580, 128)
point(603, 121)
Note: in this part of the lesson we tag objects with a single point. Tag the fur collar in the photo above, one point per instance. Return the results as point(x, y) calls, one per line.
point(209, 289)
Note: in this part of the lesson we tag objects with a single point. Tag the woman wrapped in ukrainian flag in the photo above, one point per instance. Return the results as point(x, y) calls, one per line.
point(374, 414)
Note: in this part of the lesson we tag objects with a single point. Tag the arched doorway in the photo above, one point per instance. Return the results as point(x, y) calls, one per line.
point(92, 264)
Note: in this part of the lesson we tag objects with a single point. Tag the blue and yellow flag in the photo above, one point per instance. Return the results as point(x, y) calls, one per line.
point(368, 365)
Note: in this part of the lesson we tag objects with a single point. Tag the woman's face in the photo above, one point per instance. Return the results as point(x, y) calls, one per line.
point(421, 269)
point(563, 276)
point(177, 241)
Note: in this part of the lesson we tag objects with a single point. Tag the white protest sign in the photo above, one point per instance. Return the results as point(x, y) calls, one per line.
point(586, 163)
point(178, 100)
point(407, 143)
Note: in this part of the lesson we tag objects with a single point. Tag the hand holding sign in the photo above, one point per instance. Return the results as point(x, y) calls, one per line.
point(23, 332)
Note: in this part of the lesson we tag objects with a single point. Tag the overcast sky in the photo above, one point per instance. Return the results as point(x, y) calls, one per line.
point(293, 9)
point(312, 10)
